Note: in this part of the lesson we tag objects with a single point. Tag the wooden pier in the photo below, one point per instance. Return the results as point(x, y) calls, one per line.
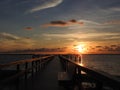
point(54, 72)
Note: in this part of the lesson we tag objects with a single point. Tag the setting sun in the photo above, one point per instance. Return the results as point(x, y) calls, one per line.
point(80, 48)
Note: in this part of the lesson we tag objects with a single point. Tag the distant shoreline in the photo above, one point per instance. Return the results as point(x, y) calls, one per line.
point(46, 53)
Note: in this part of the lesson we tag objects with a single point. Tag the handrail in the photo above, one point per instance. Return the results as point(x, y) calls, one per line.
point(19, 72)
point(103, 77)
point(22, 62)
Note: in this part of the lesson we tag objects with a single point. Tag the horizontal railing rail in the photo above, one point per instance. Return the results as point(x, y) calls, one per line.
point(105, 78)
point(22, 61)
point(36, 64)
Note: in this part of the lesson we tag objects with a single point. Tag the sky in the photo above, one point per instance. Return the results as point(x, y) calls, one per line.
point(60, 26)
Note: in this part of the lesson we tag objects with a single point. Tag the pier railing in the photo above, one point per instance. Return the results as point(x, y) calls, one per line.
point(23, 68)
point(100, 78)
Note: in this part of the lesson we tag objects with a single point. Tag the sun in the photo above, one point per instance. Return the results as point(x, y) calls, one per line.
point(80, 48)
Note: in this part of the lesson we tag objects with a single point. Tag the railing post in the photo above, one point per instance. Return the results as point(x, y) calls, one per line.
point(32, 64)
point(18, 79)
point(75, 58)
point(18, 67)
point(77, 78)
point(39, 64)
point(36, 66)
point(66, 65)
point(26, 72)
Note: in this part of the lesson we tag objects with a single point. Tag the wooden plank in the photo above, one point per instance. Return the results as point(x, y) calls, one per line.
point(63, 76)
point(64, 79)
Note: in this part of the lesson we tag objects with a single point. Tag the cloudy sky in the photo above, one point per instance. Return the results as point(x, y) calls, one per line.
point(60, 24)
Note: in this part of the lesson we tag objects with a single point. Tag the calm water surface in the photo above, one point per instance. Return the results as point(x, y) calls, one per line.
point(106, 63)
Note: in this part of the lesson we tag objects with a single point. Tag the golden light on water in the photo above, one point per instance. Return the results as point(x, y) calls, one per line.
point(80, 60)
point(81, 64)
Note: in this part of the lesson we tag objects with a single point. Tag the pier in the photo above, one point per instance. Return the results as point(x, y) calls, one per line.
point(54, 72)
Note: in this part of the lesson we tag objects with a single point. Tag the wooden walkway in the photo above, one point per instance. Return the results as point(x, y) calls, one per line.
point(42, 74)
point(46, 79)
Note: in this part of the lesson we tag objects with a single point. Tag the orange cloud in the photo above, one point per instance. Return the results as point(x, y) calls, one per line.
point(62, 23)
point(73, 21)
point(28, 28)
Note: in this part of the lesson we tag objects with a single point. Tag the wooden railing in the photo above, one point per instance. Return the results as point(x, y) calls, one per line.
point(101, 77)
point(24, 67)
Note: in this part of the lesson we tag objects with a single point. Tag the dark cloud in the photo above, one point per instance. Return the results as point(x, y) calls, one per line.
point(107, 49)
point(61, 23)
point(73, 21)
point(117, 48)
point(98, 46)
point(58, 22)
point(28, 28)
point(114, 48)
point(113, 45)
point(111, 49)
point(41, 50)
point(100, 49)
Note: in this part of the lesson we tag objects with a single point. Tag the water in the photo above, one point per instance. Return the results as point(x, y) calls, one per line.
point(7, 58)
point(105, 63)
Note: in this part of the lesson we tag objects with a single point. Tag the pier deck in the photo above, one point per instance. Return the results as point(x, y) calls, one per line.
point(55, 72)
point(47, 79)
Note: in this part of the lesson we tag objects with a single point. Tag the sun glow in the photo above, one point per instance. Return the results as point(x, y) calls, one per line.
point(80, 48)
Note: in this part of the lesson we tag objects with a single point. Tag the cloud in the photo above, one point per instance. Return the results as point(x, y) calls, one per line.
point(61, 23)
point(73, 21)
point(98, 46)
point(86, 36)
point(109, 48)
point(41, 50)
point(106, 48)
point(117, 48)
point(8, 36)
point(113, 45)
point(88, 25)
point(113, 48)
point(29, 28)
point(58, 22)
point(112, 22)
point(9, 42)
point(88, 22)
point(46, 4)
point(115, 9)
